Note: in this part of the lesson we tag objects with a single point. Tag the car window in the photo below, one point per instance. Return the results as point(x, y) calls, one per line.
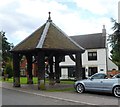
point(117, 76)
point(99, 76)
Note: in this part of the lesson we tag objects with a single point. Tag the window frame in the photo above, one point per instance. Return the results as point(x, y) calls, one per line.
point(92, 56)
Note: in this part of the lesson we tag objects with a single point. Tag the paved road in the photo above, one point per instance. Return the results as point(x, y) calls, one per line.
point(57, 98)
point(12, 97)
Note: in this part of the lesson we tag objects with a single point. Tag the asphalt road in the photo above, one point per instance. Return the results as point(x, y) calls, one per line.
point(12, 97)
point(30, 95)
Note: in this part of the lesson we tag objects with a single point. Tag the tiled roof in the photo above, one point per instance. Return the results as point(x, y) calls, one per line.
point(48, 36)
point(90, 41)
point(31, 41)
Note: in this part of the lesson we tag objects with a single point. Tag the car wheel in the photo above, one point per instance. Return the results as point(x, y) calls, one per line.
point(116, 91)
point(80, 88)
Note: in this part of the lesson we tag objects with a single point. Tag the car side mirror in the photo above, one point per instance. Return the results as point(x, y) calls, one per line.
point(90, 78)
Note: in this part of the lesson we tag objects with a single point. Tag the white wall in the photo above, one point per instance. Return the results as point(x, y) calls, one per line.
point(64, 71)
point(100, 62)
point(68, 62)
point(111, 65)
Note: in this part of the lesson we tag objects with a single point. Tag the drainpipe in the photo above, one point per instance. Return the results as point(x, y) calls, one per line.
point(106, 57)
point(106, 46)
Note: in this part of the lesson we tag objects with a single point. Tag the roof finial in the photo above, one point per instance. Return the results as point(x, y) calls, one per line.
point(49, 18)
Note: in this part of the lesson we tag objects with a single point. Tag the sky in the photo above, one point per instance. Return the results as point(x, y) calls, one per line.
point(19, 18)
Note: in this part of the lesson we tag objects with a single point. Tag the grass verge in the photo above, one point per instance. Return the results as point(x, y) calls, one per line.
point(23, 80)
point(60, 90)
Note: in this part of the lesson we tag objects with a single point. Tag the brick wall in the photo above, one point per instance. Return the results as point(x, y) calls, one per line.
point(113, 72)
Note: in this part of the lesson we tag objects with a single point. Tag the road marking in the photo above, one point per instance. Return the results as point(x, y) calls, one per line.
point(53, 97)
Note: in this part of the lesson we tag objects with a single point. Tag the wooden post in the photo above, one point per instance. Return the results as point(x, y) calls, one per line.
point(41, 70)
point(29, 69)
point(78, 72)
point(16, 70)
point(51, 74)
point(57, 69)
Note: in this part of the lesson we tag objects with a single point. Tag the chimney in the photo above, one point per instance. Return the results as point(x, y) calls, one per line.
point(103, 31)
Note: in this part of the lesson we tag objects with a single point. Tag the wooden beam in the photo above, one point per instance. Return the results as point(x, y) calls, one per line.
point(72, 57)
point(41, 70)
point(57, 69)
point(78, 72)
point(29, 69)
point(16, 70)
point(51, 74)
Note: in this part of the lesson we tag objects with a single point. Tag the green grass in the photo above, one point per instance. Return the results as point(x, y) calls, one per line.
point(66, 82)
point(23, 80)
point(0, 78)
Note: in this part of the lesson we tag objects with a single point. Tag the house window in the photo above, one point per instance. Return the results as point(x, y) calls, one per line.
point(101, 69)
point(92, 56)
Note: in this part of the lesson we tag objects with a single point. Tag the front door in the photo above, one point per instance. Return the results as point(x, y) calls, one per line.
point(92, 70)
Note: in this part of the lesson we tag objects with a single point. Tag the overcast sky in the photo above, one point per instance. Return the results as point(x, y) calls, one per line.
point(19, 18)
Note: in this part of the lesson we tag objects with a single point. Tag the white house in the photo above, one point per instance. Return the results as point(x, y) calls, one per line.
point(94, 59)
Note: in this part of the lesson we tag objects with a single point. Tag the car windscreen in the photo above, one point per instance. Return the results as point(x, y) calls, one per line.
point(116, 76)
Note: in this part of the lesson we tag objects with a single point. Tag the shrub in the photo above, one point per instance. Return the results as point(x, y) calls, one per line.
point(9, 70)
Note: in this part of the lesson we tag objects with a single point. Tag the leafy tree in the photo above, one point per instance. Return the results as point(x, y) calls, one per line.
point(6, 55)
point(6, 47)
point(115, 43)
point(9, 69)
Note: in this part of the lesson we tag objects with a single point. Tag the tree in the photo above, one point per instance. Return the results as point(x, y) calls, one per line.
point(6, 55)
point(9, 69)
point(6, 47)
point(115, 43)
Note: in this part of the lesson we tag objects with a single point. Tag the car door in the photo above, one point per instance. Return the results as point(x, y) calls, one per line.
point(95, 82)
point(107, 84)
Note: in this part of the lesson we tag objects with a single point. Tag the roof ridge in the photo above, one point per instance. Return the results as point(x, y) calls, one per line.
point(43, 36)
point(86, 34)
point(26, 38)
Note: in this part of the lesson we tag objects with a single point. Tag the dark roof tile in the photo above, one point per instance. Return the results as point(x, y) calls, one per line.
point(90, 41)
point(52, 38)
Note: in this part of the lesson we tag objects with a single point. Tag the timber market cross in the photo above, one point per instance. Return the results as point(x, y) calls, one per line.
point(47, 41)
